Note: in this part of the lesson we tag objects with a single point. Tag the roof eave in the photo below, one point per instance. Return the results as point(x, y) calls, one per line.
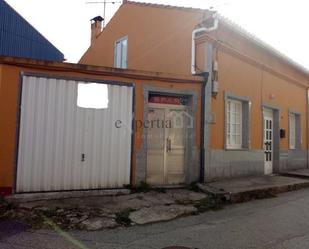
point(257, 41)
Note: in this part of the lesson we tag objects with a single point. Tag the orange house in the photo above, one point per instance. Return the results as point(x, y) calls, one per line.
point(177, 95)
point(254, 102)
point(53, 137)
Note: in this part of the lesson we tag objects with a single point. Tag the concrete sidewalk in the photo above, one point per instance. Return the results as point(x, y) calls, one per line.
point(255, 187)
point(301, 173)
point(107, 211)
point(275, 223)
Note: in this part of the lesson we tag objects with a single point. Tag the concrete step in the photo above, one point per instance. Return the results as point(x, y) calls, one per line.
point(301, 173)
point(259, 187)
point(208, 189)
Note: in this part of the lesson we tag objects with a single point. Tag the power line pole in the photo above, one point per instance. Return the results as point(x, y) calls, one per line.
point(104, 2)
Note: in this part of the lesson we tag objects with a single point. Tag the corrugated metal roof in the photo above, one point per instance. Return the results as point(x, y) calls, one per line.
point(18, 38)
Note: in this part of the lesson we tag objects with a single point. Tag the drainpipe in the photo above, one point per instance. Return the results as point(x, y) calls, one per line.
point(194, 32)
point(205, 75)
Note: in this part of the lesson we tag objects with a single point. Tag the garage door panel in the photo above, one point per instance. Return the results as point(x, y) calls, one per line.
point(55, 134)
point(102, 133)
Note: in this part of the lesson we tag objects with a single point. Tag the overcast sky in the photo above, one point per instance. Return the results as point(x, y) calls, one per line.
point(284, 24)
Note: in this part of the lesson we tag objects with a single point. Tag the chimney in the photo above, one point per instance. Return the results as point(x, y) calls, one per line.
point(96, 27)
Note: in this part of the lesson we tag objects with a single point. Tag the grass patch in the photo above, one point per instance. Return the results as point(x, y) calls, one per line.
point(7, 205)
point(193, 186)
point(49, 213)
point(6, 208)
point(122, 217)
point(3, 204)
point(209, 203)
point(185, 202)
point(144, 187)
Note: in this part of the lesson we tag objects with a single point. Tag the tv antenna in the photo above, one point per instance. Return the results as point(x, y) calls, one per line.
point(104, 2)
point(212, 7)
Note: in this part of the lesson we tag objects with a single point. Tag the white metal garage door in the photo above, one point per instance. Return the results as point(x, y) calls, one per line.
point(65, 147)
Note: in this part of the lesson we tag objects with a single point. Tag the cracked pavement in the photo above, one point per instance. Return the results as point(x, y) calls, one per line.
point(281, 222)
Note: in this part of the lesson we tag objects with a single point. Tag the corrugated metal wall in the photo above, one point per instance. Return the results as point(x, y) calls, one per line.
point(55, 133)
point(19, 39)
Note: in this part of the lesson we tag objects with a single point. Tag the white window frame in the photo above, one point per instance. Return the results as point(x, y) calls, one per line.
point(295, 136)
point(121, 53)
point(232, 142)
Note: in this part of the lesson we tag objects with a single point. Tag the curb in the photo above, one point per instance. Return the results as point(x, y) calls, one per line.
point(263, 193)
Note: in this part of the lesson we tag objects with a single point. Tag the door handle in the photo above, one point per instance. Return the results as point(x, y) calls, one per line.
point(83, 157)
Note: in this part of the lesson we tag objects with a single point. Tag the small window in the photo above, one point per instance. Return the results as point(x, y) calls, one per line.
point(121, 53)
point(92, 95)
point(234, 124)
point(294, 131)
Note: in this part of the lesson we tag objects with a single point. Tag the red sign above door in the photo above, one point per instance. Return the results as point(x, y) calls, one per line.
point(171, 100)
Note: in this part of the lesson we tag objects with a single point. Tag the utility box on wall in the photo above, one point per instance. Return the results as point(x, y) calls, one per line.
point(215, 88)
point(282, 133)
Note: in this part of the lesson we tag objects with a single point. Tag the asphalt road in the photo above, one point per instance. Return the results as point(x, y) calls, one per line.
point(281, 222)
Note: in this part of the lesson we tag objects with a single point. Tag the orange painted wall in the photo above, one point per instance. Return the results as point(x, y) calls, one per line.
point(239, 79)
point(242, 79)
point(8, 115)
point(9, 83)
point(246, 69)
point(229, 37)
point(159, 39)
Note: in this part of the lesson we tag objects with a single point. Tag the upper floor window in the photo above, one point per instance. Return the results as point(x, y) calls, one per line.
point(121, 53)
